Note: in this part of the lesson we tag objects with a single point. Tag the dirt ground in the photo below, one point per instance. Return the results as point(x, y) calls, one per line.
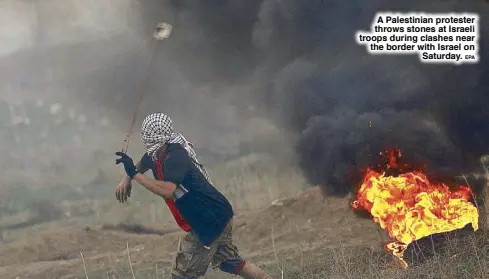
point(287, 229)
point(285, 237)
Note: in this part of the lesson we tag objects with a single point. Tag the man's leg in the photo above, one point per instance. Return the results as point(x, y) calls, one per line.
point(192, 259)
point(228, 260)
point(252, 271)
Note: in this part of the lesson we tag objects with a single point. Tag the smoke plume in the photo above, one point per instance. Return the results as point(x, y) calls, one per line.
point(340, 105)
point(294, 62)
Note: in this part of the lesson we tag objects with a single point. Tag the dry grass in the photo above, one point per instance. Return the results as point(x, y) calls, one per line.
point(335, 244)
point(462, 257)
point(305, 236)
point(251, 182)
point(457, 258)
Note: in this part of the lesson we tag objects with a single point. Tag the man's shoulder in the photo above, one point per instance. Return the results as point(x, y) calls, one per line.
point(175, 150)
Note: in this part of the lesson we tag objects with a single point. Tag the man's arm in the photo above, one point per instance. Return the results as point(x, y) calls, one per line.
point(124, 188)
point(161, 188)
point(141, 166)
point(144, 164)
point(176, 167)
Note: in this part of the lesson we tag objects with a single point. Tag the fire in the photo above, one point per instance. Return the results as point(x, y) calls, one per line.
point(409, 207)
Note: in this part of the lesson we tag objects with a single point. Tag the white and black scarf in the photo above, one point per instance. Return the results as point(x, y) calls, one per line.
point(157, 129)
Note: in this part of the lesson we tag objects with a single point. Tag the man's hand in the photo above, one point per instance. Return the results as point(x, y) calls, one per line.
point(123, 190)
point(129, 166)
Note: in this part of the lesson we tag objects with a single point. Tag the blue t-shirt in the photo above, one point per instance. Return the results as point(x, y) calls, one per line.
point(204, 208)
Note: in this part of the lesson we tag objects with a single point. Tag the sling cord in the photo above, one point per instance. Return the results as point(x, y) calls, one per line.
point(143, 89)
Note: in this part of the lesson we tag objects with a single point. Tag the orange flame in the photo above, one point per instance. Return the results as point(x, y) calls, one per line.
point(409, 207)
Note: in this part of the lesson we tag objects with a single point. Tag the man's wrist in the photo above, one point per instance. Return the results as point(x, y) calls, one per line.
point(126, 177)
point(135, 176)
point(132, 172)
point(130, 175)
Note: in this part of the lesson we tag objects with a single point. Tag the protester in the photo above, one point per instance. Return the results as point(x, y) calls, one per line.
point(197, 206)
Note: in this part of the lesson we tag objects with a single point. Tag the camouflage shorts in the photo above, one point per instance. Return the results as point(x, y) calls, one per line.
point(193, 258)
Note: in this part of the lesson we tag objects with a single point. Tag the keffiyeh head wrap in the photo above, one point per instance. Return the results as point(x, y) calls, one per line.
point(157, 129)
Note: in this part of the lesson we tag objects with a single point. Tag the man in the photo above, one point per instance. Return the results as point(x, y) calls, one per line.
point(198, 207)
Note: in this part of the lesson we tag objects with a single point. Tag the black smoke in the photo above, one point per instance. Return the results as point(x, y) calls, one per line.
point(297, 62)
point(341, 105)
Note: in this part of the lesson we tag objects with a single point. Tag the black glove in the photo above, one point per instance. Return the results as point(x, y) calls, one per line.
point(129, 166)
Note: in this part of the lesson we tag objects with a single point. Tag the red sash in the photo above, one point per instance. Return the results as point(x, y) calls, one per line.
point(171, 203)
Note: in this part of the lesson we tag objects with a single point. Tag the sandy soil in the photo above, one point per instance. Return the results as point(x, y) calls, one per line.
point(289, 229)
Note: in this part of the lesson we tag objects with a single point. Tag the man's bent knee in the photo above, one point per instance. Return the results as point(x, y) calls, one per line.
point(233, 265)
